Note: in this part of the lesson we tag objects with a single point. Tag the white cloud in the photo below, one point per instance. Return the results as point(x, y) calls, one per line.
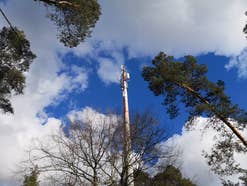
point(44, 86)
point(109, 57)
point(192, 143)
point(144, 27)
point(78, 80)
point(175, 26)
point(189, 146)
point(239, 62)
point(98, 121)
point(91, 116)
point(109, 71)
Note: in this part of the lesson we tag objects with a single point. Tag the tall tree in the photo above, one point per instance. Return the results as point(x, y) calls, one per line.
point(170, 176)
point(186, 82)
point(77, 158)
point(74, 18)
point(146, 134)
point(91, 152)
point(142, 178)
point(15, 58)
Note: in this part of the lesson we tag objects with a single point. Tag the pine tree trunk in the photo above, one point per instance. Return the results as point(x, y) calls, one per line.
point(223, 119)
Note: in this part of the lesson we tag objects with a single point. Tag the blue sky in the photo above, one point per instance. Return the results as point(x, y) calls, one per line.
point(107, 97)
point(63, 80)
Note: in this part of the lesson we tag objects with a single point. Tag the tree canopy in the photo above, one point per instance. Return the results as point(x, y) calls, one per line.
point(15, 58)
point(74, 18)
point(91, 152)
point(186, 82)
point(171, 176)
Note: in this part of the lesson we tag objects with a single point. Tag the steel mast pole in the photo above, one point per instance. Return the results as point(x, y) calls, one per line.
point(128, 177)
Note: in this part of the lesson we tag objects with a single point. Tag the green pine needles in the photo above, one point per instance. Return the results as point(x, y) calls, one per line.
point(15, 58)
point(185, 82)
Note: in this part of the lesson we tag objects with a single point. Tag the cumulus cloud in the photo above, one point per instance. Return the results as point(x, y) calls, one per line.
point(189, 146)
point(144, 27)
point(192, 143)
point(101, 125)
point(108, 57)
point(91, 116)
point(239, 62)
point(44, 86)
point(108, 71)
point(177, 27)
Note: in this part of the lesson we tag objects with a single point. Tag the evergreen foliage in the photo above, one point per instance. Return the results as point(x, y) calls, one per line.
point(186, 82)
point(74, 19)
point(15, 58)
point(171, 176)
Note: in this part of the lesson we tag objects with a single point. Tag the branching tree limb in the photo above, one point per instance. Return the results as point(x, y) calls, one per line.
point(92, 153)
point(186, 82)
point(15, 58)
point(74, 19)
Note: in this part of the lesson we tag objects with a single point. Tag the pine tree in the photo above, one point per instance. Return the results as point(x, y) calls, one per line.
point(15, 58)
point(74, 18)
point(171, 176)
point(185, 82)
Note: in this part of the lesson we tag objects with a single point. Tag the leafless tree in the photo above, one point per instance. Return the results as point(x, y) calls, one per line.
point(146, 134)
point(76, 156)
point(91, 152)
